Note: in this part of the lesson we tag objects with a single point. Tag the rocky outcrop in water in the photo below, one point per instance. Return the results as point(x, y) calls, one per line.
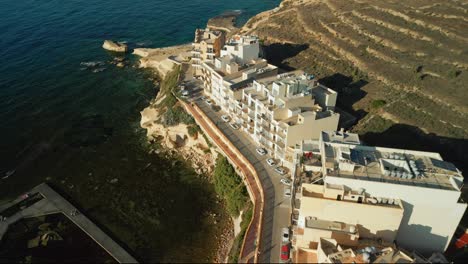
point(114, 46)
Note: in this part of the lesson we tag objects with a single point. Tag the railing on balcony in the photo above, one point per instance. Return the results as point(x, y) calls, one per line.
point(281, 134)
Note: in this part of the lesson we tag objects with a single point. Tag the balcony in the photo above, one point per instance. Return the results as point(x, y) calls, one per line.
point(280, 144)
point(195, 51)
point(281, 134)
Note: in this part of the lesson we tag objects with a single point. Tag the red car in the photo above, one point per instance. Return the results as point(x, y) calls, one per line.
point(284, 252)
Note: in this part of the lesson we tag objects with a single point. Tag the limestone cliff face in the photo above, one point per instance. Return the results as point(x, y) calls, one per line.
point(177, 139)
point(162, 60)
point(114, 46)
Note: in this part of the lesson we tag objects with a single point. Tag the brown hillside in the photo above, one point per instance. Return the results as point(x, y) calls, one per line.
point(411, 54)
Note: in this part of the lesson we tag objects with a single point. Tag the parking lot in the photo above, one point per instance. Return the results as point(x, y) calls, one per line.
point(277, 210)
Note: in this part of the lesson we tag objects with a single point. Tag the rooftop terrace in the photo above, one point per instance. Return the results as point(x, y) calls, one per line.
point(416, 168)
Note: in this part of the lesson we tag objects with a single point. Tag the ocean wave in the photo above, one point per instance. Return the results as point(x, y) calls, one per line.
point(91, 64)
point(99, 70)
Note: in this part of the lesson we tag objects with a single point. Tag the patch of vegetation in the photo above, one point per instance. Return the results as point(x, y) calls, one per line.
point(452, 74)
point(176, 115)
point(168, 85)
point(229, 186)
point(210, 145)
point(376, 125)
point(236, 246)
point(376, 104)
point(193, 131)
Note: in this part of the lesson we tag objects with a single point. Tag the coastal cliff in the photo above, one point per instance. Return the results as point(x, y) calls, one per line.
point(114, 46)
point(168, 125)
point(193, 148)
point(163, 60)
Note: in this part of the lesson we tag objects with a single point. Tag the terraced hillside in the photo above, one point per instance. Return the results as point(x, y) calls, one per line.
point(400, 66)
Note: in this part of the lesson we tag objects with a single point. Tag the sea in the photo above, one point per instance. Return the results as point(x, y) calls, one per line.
point(68, 115)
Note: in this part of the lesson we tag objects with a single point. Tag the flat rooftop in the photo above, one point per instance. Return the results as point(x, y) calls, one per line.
point(312, 222)
point(340, 137)
point(398, 166)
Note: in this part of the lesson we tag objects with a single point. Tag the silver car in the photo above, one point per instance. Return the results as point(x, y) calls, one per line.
point(234, 126)
point(261, 151)
point(225, 118)
point(280, 170)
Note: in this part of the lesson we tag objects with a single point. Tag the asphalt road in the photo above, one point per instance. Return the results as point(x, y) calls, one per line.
point(277, 209)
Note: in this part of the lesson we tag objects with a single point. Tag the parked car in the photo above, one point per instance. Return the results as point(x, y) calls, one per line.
point(287, 192)
point(209, 102)
point(286, 182)
point(284, 252)
point(261, 151)
point(280, 170)
point(185, 93)
point(234, 125)
point(225, 118)
point(203, 98)
point(271, 162)
point(285, 235)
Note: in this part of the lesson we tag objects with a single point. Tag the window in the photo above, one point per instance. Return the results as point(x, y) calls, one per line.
point(338, 197)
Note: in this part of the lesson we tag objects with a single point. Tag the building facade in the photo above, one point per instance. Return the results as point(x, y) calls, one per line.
point(427, 188)
point(206, 46)
point(281, 111)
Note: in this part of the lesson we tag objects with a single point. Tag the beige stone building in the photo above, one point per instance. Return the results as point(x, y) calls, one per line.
point(411, 197)
point(206, 46)
point(281, 111)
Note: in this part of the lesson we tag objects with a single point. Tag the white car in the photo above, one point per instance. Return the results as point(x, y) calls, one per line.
point(209, 102)
point(287, 192)
point(280, 170)
point(261, 151)
point(271, 162)
point(285, 234)
point(225, 118)
point(286, 182)
point(203, 98)
point(234, 126)
point(185, 93)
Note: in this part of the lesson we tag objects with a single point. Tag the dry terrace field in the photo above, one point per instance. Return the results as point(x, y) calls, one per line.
point(400, 66)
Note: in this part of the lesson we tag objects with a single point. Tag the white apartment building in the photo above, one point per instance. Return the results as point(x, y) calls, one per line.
point(242, 48)
point(427, 188)
point(239, 64)
point(281, 111)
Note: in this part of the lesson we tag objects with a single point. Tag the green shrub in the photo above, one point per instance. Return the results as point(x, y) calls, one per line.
point(193, 130)
point(230, 186)
point(176, 115)
point(235, 250)
point(454, 74)
point(376, 104)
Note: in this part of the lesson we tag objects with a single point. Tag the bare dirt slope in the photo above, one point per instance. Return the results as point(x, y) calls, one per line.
point(411, 54)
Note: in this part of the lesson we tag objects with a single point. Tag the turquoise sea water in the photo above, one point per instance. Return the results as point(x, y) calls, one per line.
point(48, 106)
point(80, 128)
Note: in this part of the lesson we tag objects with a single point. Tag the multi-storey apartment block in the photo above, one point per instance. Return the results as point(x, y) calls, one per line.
point(281, 111)
point(242, 48)
point(225, 77)
point(206, 46)
point(410, 197)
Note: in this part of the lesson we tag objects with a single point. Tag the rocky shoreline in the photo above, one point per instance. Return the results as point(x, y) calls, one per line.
point(176, 140)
